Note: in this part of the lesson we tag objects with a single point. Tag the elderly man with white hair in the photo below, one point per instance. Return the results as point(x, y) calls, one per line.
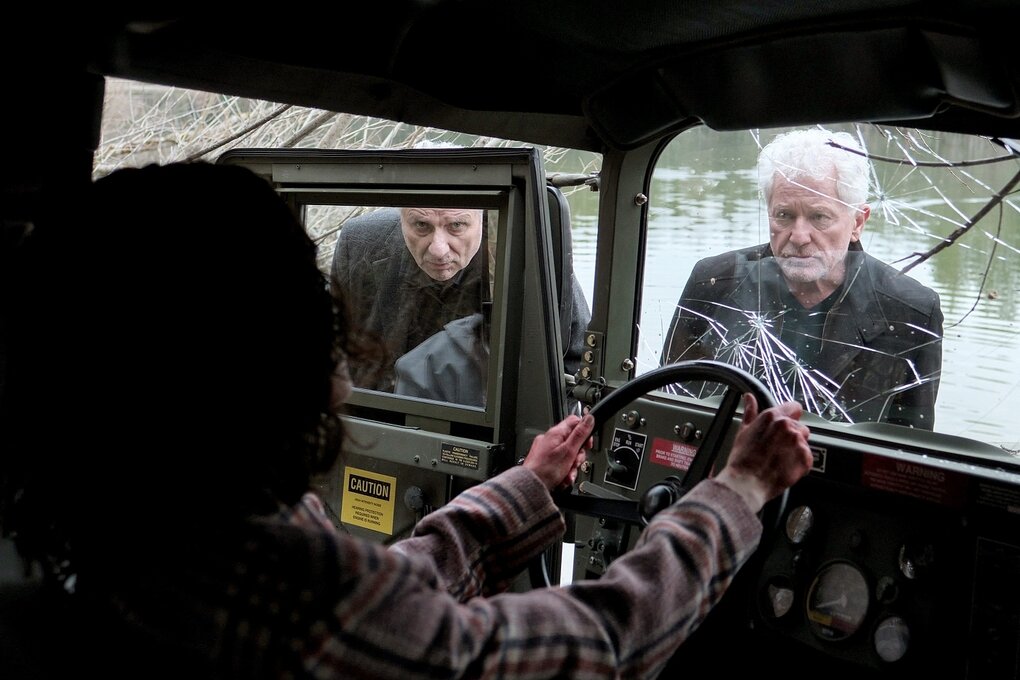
point(812, 314)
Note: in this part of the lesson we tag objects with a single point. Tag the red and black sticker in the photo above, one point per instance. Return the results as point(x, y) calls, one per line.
point(672, 454)
point(924, 482)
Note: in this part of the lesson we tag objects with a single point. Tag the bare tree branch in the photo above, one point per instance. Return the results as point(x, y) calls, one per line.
point(254, 126)
point(924, 164)
point(984, 277)
point(316, 123)
point(952, 238)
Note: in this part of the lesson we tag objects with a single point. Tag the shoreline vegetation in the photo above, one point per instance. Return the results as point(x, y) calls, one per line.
point(145, 123)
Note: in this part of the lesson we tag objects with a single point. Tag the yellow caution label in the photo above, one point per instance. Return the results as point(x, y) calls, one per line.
point(368, 500)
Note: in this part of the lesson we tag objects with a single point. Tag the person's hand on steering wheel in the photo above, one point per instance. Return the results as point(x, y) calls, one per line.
point(770, 452)
point(556, 455)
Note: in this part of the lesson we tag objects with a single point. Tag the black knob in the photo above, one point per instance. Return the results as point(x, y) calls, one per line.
point(414, 499)
point(660, 496)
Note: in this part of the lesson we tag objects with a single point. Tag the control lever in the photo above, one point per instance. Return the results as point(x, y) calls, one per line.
point(589, 489)
point(597, 501)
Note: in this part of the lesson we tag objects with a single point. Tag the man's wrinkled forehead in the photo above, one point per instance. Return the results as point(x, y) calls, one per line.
point(817, 188)
point(441, 215)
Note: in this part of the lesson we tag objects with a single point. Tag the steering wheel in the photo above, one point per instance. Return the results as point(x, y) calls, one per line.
point(663, 494)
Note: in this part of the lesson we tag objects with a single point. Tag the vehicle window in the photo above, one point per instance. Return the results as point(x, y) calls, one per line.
point(420, 278)
point(731, 277)
point(146, 123)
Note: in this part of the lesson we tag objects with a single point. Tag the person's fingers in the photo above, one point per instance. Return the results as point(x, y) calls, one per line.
point(581, 432)
point(790, 409)
point(556, 435)
point(750, 408)
point(784, 429)
point(789, 415)
point(563, 428)
point(575, 466)
point(573, 471)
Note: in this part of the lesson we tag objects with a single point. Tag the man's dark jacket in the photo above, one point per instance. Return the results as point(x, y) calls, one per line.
point(450, 366)
point(390, 295)
point(881, 345)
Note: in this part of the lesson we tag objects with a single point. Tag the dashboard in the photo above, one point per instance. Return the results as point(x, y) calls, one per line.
point(897, 556)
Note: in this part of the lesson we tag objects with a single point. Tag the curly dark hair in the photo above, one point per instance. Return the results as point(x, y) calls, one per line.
point(172, 362)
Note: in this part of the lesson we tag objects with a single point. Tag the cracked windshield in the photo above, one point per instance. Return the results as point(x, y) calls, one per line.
point(871, 274)
point(868, 272)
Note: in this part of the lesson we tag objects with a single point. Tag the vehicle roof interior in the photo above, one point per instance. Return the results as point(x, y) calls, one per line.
point(580, 74)
point(583, 75)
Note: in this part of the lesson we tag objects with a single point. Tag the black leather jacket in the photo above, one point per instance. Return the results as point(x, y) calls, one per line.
point(880, 351)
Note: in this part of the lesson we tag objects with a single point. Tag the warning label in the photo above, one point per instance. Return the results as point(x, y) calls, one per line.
point(1000, 497)
point(672, 454)
point(368, 500)
point(911, 479)
point(459, 455)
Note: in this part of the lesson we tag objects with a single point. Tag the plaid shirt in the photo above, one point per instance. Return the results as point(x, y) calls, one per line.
point(296, 599)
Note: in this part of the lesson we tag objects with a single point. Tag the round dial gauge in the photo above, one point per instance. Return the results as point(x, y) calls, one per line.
point(892, 639)
point(799, 523)
point(838, 601)
point(780, 599)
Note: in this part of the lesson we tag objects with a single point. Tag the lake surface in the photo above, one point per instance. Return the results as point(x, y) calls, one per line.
point(704, 201)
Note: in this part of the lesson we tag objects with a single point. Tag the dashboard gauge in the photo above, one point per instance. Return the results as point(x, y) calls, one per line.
point(779, 598)
point(892, 639)
point(915, 559)
point(838, 601)
point(799, 523)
